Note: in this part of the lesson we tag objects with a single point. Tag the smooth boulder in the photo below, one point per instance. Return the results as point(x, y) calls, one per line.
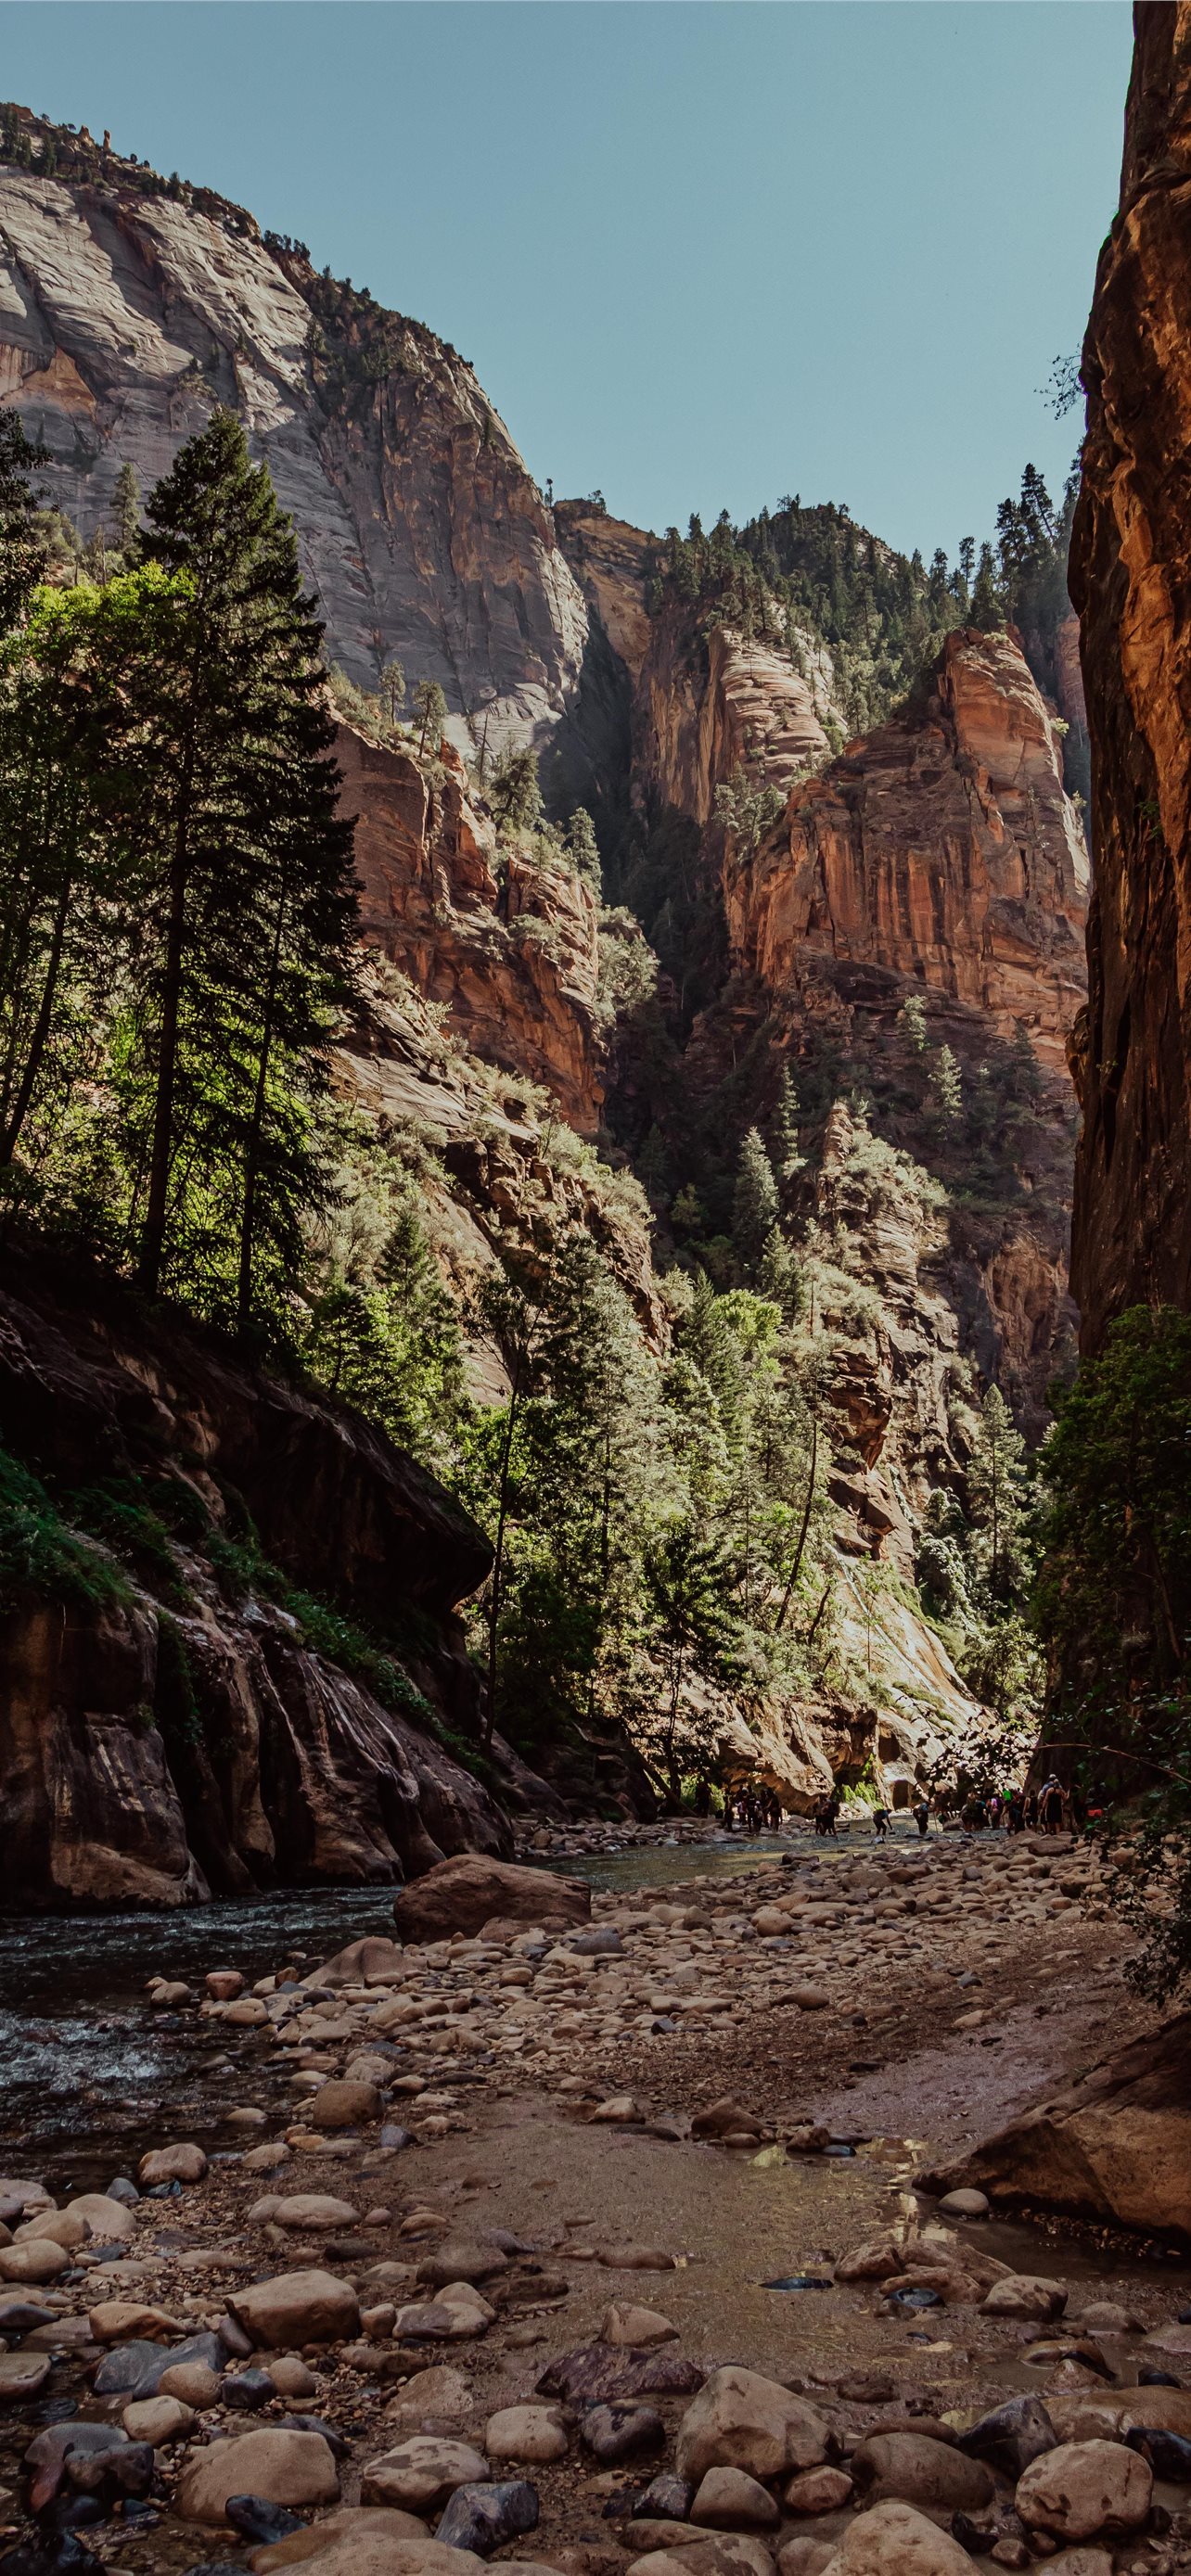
point(296, 2308)
point(1115, 2145)
point(422, 2471)
point(912, 2469)
point(182, 2163)
point(1085, 2488)
point(283, 2467)
point(896, 2540)
point(741, 2421)
point(464, 1893)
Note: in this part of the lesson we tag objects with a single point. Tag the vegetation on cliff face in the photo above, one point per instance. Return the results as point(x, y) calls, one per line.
point(1114, 1606)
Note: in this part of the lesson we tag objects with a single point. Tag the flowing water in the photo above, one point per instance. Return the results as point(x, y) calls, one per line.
point(80, 2056)
point(86, 2068)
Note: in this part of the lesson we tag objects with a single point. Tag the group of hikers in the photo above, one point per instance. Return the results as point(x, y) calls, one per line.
point(754, 1811)
point(1049, 1809)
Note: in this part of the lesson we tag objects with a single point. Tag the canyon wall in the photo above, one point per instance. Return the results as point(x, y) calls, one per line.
point(707, 706)
point(513, 957)
point(183, 1715)
point(940, 851)
point(1131, 582)
point(125, 316)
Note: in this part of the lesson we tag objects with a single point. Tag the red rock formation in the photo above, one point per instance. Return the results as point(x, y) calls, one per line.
point(1131, 582)
point(705, 708)
point(516, 962)
point(941, 849)
point(614, 563)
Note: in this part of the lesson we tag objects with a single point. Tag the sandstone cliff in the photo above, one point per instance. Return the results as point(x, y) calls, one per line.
point(125, 315)
point(941, 850)
point(707, 706)
point(1129, 578)
point(512, 955)
point(189, 1703)
point(497, 1166)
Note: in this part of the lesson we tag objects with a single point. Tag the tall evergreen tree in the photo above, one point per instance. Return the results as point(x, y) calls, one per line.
point(996, 1475)
point(755, 1207)
point(430, 708)
point(22, 553)
point(252, 901)
point(69, 844)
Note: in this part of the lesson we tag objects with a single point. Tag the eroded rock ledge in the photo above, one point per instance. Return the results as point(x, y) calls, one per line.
point(177, 1732)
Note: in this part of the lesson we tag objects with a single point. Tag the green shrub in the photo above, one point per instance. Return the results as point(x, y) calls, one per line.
point(40, 1553)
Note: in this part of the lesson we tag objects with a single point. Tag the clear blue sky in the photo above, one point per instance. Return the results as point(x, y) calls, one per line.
point(700, 255)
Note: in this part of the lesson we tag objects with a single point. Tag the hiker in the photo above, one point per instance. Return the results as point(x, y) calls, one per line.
point(922, 1815)
point(1053, 1802)
point(880, 1822)
point(1015, 1813)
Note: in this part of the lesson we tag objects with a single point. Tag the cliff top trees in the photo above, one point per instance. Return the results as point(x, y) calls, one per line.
point(515, 795)
point(430, 708)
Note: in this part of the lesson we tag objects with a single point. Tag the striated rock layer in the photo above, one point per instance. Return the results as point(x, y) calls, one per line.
point(178, 1736)
point(1131, 582)
point(942, 849)
point(514, 959)
point(124, 317)
point(706, 707)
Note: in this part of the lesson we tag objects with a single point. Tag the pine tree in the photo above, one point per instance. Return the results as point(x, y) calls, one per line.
point(986, 609)
point(69, 848)
point(583, 849)
point(515, 795)
point(755, 1208)
point(22, 553)
point(946, 1087)
point(783, 1131)
point(430, 708)
point(996, 1476)
point(392, 681)
point(252, 901)
point(911, 1020)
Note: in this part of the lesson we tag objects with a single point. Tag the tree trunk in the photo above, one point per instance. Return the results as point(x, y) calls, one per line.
point(153, 1238)
point(41, 1030)
point(252, 1149)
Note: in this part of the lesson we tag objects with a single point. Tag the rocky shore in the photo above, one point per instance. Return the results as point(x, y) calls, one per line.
point(587, 2231)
